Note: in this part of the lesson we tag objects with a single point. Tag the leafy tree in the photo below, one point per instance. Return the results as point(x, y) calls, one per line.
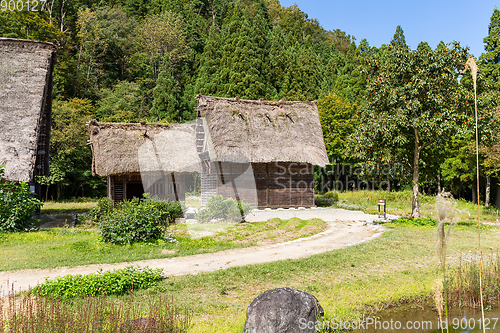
point(300, 82)
point(119, 31)
point(414, 101)
point(163, 35)
point(338, 121)
point(125, 96)
point(244, 64)
point(399, 39)
point(458, 168)
point(490, 61)
point(28, 25)
point(166, 97)
point(208, 80)
point(489, 67)
point(69, 149)
point(57, 176)
point(349, 79)
point(93, 47)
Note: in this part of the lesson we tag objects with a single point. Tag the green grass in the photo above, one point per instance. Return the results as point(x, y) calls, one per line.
point(73, 247)
point(399, 266)
point(399, 203)
point(56, 207)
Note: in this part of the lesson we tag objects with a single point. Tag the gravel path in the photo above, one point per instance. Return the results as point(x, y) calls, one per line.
point(347, 228)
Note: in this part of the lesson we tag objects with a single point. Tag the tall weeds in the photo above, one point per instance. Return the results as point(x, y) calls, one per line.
point(464, 282)
point(447, 213)
point(31, 313)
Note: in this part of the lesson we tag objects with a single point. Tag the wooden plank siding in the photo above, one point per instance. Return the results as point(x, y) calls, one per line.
point(275, 185)
point(161, 186)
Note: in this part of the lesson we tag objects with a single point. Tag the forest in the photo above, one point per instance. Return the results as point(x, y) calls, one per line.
point(408, 112)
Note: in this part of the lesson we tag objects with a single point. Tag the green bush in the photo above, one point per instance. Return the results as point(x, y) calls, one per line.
point(104, 207)
point(114, 282)
point(333, 195)
point(228, 210)
point(417, 222)
point(322, 202)
point(17, 205)
point(139, 220)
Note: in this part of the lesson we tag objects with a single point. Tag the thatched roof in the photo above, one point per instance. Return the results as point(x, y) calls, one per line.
point(263, 131)
point(25, 107)
point(121, 148)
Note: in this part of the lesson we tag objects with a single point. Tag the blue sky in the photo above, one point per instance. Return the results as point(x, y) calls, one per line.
point(422, 20)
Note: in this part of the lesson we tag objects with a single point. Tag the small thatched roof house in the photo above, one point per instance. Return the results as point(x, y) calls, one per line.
point(138, 158)
point(25, 107)
point(281, 141)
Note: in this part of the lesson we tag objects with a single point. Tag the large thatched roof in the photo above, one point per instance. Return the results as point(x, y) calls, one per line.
point(25, 107)
point(263, 131)
point(120, 148)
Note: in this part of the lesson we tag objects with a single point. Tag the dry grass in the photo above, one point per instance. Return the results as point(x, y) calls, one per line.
point(29, 313)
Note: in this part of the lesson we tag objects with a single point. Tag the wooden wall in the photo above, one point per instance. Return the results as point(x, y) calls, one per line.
point(284, 185)
point(157, 185)
point(236, 178)
point(272, 185)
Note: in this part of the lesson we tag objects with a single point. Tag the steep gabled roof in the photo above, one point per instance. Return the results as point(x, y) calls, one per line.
point(25, 107)
point(122, 148)
point(263, 131)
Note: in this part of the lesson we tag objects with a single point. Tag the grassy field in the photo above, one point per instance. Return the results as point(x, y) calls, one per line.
point(349, 283)
point(399, 203)
point(72, 247)
point(66, 207)
point(401, 265)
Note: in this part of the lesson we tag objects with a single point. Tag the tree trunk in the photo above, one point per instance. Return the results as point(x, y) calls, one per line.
point(439, 182)
point(415, 206)
point(474, 192)
point(497, 201)
point(488, 190)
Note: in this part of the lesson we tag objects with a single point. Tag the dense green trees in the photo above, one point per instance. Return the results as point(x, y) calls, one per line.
point(132, 60)
point(490, 60)
point(415, 101)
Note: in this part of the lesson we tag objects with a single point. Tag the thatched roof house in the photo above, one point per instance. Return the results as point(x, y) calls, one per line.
point(25, 108)
point(280, 141)
point(144, 157)
point(263, 131)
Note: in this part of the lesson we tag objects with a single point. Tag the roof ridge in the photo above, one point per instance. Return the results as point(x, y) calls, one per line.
point(237, 99)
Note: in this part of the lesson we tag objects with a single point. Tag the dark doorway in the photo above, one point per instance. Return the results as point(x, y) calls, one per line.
point(134, 190)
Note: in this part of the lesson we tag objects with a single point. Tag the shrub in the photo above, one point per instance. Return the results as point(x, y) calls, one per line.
point(418, 222)
point(323, 202)
point(104, 207)
point(228, 210)
point(115, 282)
point(333, 195)
point(17, 205)
point(136, 220)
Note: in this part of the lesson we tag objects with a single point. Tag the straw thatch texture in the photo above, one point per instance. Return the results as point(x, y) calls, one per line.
point(25, 107)
point(263, 131)
point(120, 148)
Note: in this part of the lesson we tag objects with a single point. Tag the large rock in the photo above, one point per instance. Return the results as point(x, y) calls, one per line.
point(283, 310)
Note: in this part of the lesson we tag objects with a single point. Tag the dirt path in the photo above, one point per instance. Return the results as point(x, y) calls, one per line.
point(346, 228)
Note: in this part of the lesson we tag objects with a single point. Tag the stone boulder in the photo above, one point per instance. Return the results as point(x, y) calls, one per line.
point(283, 310)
